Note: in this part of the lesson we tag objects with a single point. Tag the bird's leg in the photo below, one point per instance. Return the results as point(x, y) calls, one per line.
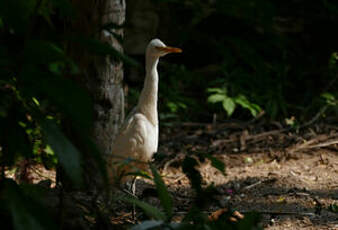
point(133, 191)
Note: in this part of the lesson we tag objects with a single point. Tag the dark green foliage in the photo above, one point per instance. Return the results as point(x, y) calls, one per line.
point(333, 207)
point(35, 79)
point(150, 211)
point(96, 47)
point(273, 56)
point(22, 202)
point(165, 199)
point(163, 194)
point(68, 155)
point(46, 114)
point(16, 14)
point(16, 143)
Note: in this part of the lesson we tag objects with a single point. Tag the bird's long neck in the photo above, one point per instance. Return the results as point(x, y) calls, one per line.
point(148, 99)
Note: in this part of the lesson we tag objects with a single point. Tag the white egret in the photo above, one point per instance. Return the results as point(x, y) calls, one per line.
point(138, 136)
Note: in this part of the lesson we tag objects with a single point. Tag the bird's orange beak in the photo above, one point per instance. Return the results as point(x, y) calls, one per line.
point(169, 49)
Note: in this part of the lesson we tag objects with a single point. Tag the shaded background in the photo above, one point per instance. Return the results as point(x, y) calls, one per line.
point(256, 55)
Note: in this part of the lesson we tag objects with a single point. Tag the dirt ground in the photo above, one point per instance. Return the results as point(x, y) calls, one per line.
point(287, 175)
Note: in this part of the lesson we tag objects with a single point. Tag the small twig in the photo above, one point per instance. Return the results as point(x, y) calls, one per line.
point(35, 170)
point(252, 137)
point(316, 117)
point(300, 194)
point(259, 116)
point(176, 158)
point(274, 132)
point(281, 213)
point(270, 180)
point(307, 145)
point(179, 178)
point(129, 193)
point(166, 165)
point(252, 185)
point(325, 144)
point(219, 125)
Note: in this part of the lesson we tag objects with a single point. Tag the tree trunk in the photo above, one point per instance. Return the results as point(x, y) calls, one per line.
point(109, 97)
point(102, 76)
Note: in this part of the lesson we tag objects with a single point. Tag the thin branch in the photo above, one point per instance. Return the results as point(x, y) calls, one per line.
point(268, 212)
point(316, 117)
point(252, 185)
point(325, 144)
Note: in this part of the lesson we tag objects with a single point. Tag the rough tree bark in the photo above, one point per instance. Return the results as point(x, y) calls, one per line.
point(102, 75)
point(109, 97)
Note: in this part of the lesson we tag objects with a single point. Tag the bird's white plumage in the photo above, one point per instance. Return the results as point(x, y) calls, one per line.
point(138, 136)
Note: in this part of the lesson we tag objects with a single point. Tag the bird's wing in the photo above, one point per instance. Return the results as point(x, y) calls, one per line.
point(130, 143)
point(138, 129)
point(132, 136)
point(128, 121)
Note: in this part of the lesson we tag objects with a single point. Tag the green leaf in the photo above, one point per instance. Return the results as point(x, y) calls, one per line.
point(245, 103)
point(69, 157)
point(150, 211)
point(163, 194)
point(216, 163)
point(43, 52)
point(217, 90)
point(216, 98)
point(56, 67)
point(254, 109)
point(70, 98)
point(229, 105)
point(100, 48)
point(328, 96)
point(27, 214)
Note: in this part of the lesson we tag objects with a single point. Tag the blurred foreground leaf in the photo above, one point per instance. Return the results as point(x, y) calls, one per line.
point(100, 48)
point(216, 163)
point(163, 194)
point(26, 213)
point(192, 173)
point(150, 211)
point(68, 156)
